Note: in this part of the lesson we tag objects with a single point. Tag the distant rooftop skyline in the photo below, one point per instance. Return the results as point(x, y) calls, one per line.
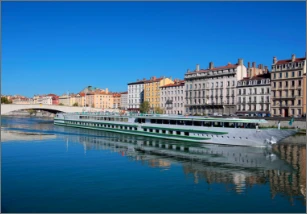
point(56, 47)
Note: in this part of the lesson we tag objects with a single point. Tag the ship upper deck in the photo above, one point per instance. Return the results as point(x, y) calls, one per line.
point(93, 115)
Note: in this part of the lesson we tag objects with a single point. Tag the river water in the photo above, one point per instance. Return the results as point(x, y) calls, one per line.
point(47, 168)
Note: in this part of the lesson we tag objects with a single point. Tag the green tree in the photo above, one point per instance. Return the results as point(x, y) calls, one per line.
point(159, 110)
point(75, 104)
point(145, 106)
point(5, 100)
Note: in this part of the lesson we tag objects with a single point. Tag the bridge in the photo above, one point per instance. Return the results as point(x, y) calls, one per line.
point(6, 108)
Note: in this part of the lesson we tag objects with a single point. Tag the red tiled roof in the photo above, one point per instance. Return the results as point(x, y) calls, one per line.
point(258, 77)
point(179, 83)
point(280, 62)
point(154, 80)
point(126, 92)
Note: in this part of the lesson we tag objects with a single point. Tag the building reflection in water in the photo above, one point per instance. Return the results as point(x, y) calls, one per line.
point(283, 166)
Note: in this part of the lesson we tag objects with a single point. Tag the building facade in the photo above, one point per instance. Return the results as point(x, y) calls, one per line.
point(116, 100)
point(173, 98)
point(152, 90)
point(124, 100)
point(287, 86)
point(213, 90)
point(135, 95)
point(253, 92)
point(304, 94)
point(64, 100)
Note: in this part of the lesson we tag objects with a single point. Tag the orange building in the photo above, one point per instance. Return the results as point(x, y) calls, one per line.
point(116, 100)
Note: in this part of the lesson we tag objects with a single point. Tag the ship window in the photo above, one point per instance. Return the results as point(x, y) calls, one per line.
point(178, 132)
point(206, 123)
point(143, 120)
point(170, 132)
point(197, 123)
point(217, 124)
point(186, 133)
point(153, 121)
point(125, 119)
point(157, 130)
point(145, 130)
point(135, 129)
point(180, 122)
point(240, 125)
point(173, 122)
point(189, 123)
point(130, 128)
point(150, 130)
point(165, 122)
point(159, 121)
point(163, 131)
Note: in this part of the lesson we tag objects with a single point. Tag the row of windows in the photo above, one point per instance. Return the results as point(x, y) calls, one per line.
point(286, 93)
point(103, 125)
point(299, 83)
point(288, 74)
point(199, 86)
point(279, 111)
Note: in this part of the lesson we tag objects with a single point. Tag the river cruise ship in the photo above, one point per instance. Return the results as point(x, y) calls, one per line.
point(227, 131)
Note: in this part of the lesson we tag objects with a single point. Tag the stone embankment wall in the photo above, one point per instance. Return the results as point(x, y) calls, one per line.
point(301, 124)
point(35, 114)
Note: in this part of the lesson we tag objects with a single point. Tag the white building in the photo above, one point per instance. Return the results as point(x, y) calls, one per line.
point(253, 92)
point(173, 97)
point(135, 94)
point(124, 100)
point(213, 90)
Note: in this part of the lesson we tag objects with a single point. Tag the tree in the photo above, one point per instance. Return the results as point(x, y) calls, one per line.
point(159, 110)
point(145, 106)
point(75, 104)
point(5, 100)
point(61, 104)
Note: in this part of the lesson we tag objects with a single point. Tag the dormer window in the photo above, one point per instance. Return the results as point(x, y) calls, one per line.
point(250, 82)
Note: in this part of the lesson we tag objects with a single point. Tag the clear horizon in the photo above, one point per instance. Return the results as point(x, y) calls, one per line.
point(56, 47)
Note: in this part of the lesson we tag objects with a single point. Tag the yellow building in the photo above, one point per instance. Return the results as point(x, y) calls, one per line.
point(152, 90)
point(80, 99)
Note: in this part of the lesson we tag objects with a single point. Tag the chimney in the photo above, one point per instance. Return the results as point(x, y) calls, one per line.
point(293, 57)
point(211, 65)
point(240, 61)
point(107, 90)
point(229, 63)
point(248, 64)
point(274, 60)
point(254, 64)
point(197, 67)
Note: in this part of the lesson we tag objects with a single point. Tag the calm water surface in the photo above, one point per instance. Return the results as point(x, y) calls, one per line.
point(46, 168)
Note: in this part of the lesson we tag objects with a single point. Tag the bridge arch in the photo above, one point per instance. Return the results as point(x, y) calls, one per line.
point(6, 108)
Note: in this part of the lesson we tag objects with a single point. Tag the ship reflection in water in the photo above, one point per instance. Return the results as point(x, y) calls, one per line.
point(239, 168)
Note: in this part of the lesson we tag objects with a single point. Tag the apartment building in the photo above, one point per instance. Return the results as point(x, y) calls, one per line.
point(64, 99)
point(172, 97)
point(80, 99)
point(116, 100)
point(213, 90)
point(287, 86)
point(152, 90)
point(124, 100)
point(135, 95)
point(304, 94)
point(253, 92)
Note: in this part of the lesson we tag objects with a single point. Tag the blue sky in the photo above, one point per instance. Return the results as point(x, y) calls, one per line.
point(55, 47)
